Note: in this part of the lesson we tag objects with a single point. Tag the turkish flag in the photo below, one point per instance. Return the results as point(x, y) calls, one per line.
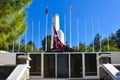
point(71, 8)
point(46, 11)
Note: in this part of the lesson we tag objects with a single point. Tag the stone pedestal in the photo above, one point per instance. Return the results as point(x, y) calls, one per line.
point(25, 59)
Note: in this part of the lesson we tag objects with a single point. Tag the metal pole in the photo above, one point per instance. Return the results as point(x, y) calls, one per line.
point(99, 34)
point(78, 33)
point(32, 34)
point(65, 28)
point(85, 37)
point(46, 32)
point(108, 42)
point(13, 45)
point(26, 40)
point(38, 35)
point(92, 34)
point(70, 27)
point(19, 46)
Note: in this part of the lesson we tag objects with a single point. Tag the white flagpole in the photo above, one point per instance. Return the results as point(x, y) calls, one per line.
point(13, 42)
point(108, 42)
point(92, 34)
point(99, 33)
point(26, 40)
point(52, 33)
point(70, 26)
point(38, 35)
point(19, 46)
point(13, 45)
point(32, 34)
point(65, 28)
point(78, 33)
point(46, 31)
point(85, 37)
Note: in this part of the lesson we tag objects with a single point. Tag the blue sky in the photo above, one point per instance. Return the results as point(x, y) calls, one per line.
point(106, 11)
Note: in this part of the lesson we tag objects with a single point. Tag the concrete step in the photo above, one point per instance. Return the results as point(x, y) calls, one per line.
point(59, 79)
point(64, 79)
point(38, 78)
point(48, 79)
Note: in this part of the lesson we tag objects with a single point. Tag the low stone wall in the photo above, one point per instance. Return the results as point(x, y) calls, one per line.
point(115, 57)
point(7, 58)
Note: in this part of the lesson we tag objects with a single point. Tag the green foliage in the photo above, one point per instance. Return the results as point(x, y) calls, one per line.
point(12, 21)
point(111, 48)
point(41, 50)
point(118, 38)
point(75, 48)
point(97, 42)
point(113, 41)
point(48, 42)
point(29, 47)
point(81, 47)
point(90, 48)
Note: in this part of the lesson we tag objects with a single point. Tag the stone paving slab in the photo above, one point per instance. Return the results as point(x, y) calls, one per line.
point(63, 79)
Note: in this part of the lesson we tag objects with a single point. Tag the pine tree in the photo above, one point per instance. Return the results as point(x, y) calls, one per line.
point(118, 38)
point(12, 21)
point(97, 42)
point(48, 42)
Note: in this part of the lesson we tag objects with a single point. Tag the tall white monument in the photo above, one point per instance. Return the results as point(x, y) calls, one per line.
point(56, 26)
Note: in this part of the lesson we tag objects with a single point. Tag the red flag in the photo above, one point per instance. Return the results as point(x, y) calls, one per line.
point(71, 8)
point(46, 11)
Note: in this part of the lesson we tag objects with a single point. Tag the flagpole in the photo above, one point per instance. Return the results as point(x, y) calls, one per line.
point(92, 34)
point(99, 33)
point(108, 42)
point(85, 37)
point(78, 33)
point(51, 33)
point(19, 46)
point(26, 38)
point(13, 42)
point(65, 28)
point(70, 27)
point(46, 31)
point(32, 34)
point(26, 41)
point(13, 45)
point(38, 35)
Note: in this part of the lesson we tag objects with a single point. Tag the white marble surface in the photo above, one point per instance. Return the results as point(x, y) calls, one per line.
point(21, 72)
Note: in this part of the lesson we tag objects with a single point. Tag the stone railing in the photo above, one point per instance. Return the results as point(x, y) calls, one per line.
point(109, 72)
point(21, 72)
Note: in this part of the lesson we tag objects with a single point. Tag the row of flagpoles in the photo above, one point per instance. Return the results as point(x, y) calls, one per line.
point(71, 9)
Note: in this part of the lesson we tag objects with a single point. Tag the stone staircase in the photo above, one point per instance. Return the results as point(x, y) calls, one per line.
point(36, 78)
point(109, 72)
